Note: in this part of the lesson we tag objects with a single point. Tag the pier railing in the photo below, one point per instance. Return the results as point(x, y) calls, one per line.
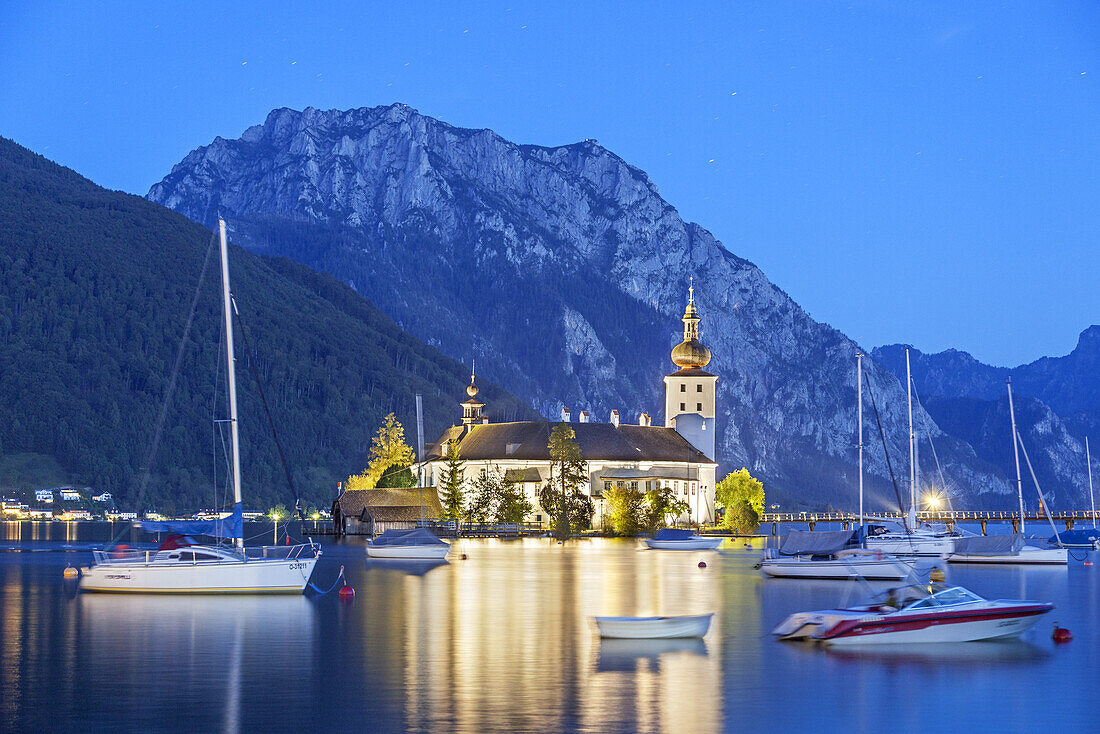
point(950, 517)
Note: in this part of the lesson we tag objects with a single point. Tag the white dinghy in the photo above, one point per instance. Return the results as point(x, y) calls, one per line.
point(419, 544)
point(830, 555)
point(652, 628)
point(678, 539)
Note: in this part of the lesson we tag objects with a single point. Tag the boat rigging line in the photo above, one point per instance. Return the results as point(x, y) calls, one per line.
point(267, 410)
point(158, 431)
point(886, 452)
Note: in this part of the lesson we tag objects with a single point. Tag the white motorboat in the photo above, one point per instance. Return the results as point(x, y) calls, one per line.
point(677, 539)
point(649, 628)
point(1005, 549)
point(918, 613)
point(830, 555)
point(419, 544)
point(181, 566)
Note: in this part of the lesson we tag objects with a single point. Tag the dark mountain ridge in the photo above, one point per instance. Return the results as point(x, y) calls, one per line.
point(97, 289)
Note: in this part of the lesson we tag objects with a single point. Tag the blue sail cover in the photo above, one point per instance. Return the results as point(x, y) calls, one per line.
point(230, 526)
point(420, 536)
point(1080, 536)
point(672, 534)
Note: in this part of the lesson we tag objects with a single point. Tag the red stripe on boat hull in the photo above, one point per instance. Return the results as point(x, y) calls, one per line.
point(862, 628)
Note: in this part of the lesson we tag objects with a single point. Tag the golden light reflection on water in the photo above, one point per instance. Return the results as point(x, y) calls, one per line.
point(504, 640)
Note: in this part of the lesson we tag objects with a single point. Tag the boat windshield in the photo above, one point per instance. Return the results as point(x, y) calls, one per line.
point(920, 596)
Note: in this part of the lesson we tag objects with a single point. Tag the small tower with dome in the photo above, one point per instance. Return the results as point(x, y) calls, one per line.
point(471, 407)
point(690, 391)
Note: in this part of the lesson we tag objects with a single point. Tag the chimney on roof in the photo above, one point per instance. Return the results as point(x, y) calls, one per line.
point(565, 415)
point(582, 417)
point(644, 420)
point(615, 418)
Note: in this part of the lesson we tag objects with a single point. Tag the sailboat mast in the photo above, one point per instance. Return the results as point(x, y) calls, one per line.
point(912, 476)
point(1016, 453)
point(231, 373)
point(859, 420)
point(1088, 461)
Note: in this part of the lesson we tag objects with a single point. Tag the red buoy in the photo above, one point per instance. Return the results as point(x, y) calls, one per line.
point(1061, 634)
point(347, 593)
point(1088, 563)
point(702, 564)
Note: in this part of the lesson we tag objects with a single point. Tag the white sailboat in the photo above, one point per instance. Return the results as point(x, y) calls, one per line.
point(181, 566)
point(990, 550)
point(911, 539)
point(836, 554)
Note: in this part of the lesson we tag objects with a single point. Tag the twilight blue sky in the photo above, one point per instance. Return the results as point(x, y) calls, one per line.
point(914, 171)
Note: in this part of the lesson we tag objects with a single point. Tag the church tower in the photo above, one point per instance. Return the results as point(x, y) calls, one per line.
point(690, 391)
point(471, 408)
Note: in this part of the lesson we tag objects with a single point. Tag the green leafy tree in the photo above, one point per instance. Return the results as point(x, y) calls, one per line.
point(390, 459)
point(659, 505)
point(624, 509)
point(741, 496)
point(568, 472)
point(495, 499)
point(578, 506)
point(451, 493)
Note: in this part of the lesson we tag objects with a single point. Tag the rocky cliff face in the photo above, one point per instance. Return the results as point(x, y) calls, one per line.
point(562, 271)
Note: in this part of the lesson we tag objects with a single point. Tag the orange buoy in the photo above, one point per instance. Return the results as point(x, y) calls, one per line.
point(702, 564)
point(1061, 634)
point(70, 572)
point(347, 593)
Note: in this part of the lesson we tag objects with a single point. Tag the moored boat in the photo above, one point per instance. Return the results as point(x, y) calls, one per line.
point(419, 544)
point(1005, 549)
point(678, 539)
point(181, 566)
point(650, 628)
point(917, 613)
point(830, 555)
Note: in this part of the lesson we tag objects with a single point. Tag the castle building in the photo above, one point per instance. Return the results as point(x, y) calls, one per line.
point(678, 455)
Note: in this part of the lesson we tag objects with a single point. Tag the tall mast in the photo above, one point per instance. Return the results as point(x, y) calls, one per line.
point(1088, 460)
point(859, 420)
point(232, 375)
point(912, 465)
point(1016, 453)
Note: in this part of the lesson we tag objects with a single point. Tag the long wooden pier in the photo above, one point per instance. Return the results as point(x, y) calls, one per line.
point(949, 517)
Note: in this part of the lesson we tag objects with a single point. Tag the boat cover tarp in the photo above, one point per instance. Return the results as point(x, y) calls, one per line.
point(672, 534)
point(230, 526)
point(990, 545)
point(420, 536)
point(1080, 536)
point(817, 543)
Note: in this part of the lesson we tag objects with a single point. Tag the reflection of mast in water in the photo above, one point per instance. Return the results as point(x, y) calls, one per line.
point(232, 723)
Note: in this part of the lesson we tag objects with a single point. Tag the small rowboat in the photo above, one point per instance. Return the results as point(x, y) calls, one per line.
point(673, 539)
point(650, 628)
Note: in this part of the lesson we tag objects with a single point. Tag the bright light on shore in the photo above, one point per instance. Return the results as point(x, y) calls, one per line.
point(933, 501)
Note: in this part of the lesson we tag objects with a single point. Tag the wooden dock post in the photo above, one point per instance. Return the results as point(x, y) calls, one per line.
point(1015, 524)
point(775, 530)
point(812, 524)
point(983, 527)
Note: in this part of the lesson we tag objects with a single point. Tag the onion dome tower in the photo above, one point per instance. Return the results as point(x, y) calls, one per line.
point(471, 408)
point(690, 392)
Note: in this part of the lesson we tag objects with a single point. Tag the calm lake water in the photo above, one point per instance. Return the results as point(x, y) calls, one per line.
point(502, 642)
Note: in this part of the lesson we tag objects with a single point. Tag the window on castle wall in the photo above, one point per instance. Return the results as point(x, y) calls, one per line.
point(683, 387)
point(682, 407)
point(698, 406)
point(699, 388)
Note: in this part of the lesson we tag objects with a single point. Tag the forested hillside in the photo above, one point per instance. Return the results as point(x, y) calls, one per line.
point(97, 288)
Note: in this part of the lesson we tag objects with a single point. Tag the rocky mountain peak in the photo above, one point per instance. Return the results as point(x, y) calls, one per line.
point(560, 269)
